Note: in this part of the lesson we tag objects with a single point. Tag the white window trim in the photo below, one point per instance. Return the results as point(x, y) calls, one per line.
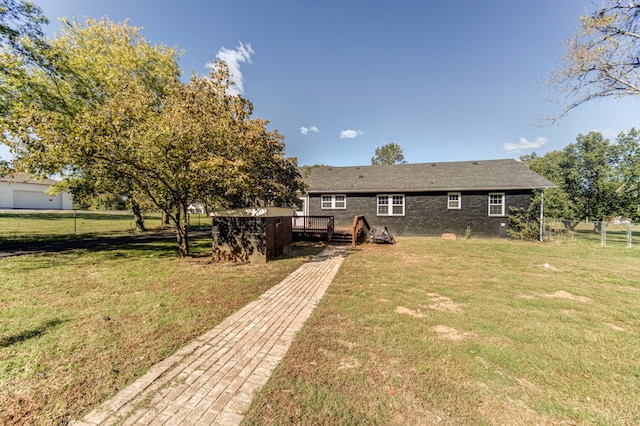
point(390, 204)
point(333, 202)
point(304, 211)
point(502, 213)
point(449, 207)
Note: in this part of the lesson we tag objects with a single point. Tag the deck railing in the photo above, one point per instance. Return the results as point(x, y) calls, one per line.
point(313, 225)
point(318, 226)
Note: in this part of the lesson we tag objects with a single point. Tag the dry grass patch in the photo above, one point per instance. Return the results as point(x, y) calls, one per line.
point(561, 294)
point(467, 332)
point(451, 333)
point(410, 312)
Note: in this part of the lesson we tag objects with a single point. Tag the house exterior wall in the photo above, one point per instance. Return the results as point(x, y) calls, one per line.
point(427, 213)
point(17, 195)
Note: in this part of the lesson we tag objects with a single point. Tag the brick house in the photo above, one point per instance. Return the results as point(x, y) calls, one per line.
point(426, 198)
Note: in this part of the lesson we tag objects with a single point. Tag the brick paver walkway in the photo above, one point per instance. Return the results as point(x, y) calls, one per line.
point(214, 378)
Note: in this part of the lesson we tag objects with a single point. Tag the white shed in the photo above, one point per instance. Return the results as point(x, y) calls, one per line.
point(24, 191)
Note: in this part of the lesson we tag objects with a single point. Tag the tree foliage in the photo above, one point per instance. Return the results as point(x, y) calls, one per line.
point(628, 173)
point(119, 115)
point(602, 58)
point(596, 179)
point(306, 171)
point(20, 29)
point(20, 20)
point(524, 224)
point(390, 153)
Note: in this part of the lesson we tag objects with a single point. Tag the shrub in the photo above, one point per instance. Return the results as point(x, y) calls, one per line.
point(523, 224)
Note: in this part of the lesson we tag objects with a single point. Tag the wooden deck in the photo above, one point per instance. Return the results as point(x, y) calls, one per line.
point(321, 228)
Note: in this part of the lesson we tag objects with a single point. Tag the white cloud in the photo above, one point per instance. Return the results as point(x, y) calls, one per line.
point(607, 133)
point(350, 134)
point(306, 130)
point(233, 58)
point(526, 144)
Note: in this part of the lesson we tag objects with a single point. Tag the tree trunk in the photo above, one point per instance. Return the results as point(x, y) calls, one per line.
point(597, 227)
point(165, 220)
point(570, 225)
point(137, 215)
point(182, 232)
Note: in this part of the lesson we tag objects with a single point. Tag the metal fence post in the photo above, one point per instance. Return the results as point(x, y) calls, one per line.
point(629, 234)
point(603, 228)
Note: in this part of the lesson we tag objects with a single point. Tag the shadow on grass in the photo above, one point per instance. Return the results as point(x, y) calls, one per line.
point(30, 334)
point(306, 249)
point(92, 255)
point(159, 249)
point(200, 248)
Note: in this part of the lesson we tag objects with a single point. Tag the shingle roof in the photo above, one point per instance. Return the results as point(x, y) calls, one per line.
point(451, 176)
point(27, 178)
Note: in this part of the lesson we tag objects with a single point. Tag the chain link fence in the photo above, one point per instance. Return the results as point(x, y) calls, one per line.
point(618, 233)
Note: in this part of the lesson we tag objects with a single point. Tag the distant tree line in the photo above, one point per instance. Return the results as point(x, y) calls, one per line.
point(596, 179)
point(390, 153)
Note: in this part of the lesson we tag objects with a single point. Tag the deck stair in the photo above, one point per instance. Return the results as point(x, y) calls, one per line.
point(341, 237)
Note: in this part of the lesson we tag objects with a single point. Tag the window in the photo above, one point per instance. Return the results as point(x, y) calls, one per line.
point(390, 205)
point(496, 204)
point(454, 201)
point(333, 202)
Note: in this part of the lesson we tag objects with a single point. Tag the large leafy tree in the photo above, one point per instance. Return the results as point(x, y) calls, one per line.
point(120, 115)
point(204, 145)
point(63, 79)
point(554, 166)
point(592, 182)
point(596, 179)
point(390, 153)
point(628, 173)
point(602, 58)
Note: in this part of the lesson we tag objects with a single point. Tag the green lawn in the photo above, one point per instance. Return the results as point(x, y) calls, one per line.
point(16, 226)
point(76, 327)
point(41, 226)
point(431, 331)
point(426, 331)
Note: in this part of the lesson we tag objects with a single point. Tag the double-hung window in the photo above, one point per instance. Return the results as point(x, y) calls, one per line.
point(391, 205)
point(496, 204)
point(333, 202)
point(454, 201)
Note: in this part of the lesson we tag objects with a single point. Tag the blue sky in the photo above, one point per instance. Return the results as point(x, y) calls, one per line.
point(446, 80)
